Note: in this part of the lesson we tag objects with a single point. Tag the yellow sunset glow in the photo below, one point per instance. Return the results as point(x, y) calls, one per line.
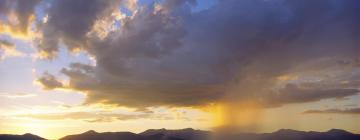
point(15, 32)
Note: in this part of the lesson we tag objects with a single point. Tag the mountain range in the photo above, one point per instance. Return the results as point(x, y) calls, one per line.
point(191, 134)
point(26, 136)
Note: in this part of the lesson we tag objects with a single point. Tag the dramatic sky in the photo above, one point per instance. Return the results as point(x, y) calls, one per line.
point(67, 66)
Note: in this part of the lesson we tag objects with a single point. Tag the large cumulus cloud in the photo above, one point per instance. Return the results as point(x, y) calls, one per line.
point(274, 52)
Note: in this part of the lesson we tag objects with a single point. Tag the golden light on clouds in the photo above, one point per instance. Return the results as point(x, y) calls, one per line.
point(15, 31)
point(42, 55)
point(11, 52)
point(49, 121)
point(287, 77)
point(131, 4)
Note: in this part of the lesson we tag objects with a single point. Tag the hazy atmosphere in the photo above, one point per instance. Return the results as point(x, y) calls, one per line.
point(254, 66)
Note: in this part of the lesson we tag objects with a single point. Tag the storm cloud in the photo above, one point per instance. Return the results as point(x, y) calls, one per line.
point(275, 52)
point(69, 22)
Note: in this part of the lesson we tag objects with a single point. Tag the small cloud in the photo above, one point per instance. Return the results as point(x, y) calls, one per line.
point(8, 49)
point(49, 81)
point(144, 110)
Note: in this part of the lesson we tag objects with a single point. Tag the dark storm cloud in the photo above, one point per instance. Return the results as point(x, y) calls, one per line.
point(70, 21)
point(22, 11)
point(354, 111)
point(166, 55)
point(4, 7)
point(49, 81)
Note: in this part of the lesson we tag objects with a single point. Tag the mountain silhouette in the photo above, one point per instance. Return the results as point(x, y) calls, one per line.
point(191, 134)
point(181, 134)
point(26, 136)
point(288, 134)
point(151, 134)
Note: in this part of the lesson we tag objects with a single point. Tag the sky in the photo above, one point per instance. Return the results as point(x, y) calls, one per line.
point(130, 65)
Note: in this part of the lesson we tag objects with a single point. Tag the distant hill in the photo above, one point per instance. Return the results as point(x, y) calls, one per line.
point(181, 134)
point(27, 136)
point(151, 134)
point(191, 134)
point(288, 134)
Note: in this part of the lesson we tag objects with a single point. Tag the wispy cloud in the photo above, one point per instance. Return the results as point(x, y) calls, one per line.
point(17, 95)
point(351, 111)
point(96, 117)
point(85, 116)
